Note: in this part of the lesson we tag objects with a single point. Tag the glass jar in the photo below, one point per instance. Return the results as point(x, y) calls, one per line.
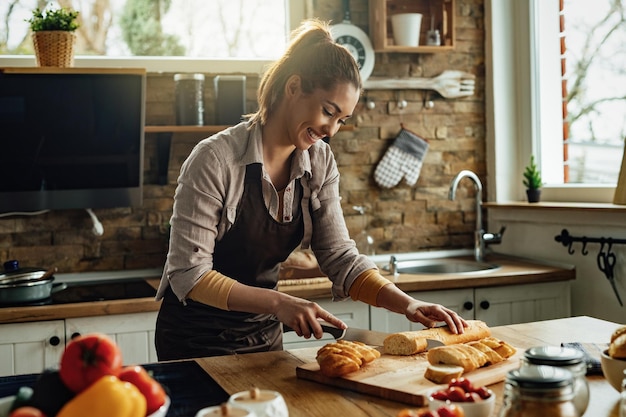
point(539, 390)
point(622, 401)
point(563, 357)
point(189, 93)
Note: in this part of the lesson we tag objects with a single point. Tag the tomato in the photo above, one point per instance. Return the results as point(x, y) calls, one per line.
point(27, 411)
point(483, 392)
point(440, 395)
point(450, 411)
point(456, 394)
point(464, 383)
point(87, 358)
point(148, 386)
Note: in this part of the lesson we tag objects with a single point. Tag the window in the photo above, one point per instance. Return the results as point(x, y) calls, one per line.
point(525, 94)
point(189, 35)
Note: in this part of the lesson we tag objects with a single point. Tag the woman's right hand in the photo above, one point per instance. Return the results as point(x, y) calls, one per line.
point(303, 316)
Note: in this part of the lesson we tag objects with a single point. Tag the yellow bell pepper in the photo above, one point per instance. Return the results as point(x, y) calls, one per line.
point(108, 396)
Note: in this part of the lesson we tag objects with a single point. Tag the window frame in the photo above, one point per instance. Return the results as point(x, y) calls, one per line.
point(514, 29)
point(297, 11)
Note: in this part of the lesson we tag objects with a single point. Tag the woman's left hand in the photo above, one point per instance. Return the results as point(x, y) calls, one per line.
point(430, 314)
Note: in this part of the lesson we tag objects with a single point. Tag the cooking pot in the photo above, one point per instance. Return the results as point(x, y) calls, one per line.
point(25, 285)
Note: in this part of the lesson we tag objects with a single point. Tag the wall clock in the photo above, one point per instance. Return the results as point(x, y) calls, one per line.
point(356, 41)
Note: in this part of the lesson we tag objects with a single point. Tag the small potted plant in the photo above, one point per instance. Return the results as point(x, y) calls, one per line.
point(54, 36)
point(532, 181)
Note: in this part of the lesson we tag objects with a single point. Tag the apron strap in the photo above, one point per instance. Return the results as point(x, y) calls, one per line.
point(306, 213)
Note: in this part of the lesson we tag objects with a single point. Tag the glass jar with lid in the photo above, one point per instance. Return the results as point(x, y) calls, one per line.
point(539, 390)
point(563, 357)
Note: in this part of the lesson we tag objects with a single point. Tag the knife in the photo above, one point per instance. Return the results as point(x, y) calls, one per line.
point(369, 337)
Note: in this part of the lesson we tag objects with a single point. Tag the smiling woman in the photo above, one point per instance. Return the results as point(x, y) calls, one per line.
point(251, 32)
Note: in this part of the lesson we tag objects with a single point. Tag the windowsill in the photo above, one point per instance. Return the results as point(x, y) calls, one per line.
point(562, 206)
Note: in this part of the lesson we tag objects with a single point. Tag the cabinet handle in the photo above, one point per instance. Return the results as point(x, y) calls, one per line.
point(468, 305)
point(484, 305)
point(54, 341)
point(74, 335)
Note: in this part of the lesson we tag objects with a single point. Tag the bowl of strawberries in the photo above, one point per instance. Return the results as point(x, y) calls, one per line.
point(475, 401)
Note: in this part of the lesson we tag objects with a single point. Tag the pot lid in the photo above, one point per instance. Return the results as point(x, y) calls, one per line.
point(553, 355)
point(14, 274)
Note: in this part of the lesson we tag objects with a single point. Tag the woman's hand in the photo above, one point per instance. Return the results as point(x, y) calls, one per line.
point(303, 317)
point(430, 314)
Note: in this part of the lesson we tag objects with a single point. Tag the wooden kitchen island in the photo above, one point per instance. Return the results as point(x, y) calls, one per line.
point(198, 383)
point(277, 371)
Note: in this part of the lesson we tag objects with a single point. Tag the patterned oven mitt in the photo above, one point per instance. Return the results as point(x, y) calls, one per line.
point(403, 158)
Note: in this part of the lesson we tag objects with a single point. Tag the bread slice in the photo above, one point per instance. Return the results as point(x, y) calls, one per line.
point(504, 349)
point(442, 374)
point(462, 355)
point(493, 357)
point(412, 342)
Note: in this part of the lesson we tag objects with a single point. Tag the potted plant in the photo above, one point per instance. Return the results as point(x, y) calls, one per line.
point(532, 181)
point(54, 36)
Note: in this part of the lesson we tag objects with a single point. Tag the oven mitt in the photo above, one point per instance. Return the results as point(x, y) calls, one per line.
point(403, 158)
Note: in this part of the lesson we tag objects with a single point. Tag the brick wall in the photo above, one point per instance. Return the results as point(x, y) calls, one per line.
point(400, 219)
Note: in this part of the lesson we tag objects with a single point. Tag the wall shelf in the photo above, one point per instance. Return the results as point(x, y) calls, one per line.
point(441, 12)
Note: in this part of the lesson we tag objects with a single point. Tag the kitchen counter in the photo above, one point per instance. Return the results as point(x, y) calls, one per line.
point(512, 271)
point(201, 382)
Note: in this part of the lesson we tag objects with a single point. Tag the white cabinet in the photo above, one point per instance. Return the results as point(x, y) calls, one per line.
point(353, 313)
point(27, 348)
point(133, 333)
point(31, 347)
point(496, 306)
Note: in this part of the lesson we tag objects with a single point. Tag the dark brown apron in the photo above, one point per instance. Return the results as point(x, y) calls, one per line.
point(249, 252)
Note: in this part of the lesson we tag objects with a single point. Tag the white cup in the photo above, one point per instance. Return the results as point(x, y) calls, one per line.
point(406, 28)
point(225, 410)
point(265, 403)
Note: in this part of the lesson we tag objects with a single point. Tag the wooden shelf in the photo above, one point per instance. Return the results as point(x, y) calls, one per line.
point(440, 11)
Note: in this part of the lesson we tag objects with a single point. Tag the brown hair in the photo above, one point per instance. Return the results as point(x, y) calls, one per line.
point(316, 58)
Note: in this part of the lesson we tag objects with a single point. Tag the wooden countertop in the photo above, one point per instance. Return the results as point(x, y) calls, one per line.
point(512, 271)
point(277, 371)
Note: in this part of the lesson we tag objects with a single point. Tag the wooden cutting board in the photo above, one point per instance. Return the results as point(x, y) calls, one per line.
point(401, 378)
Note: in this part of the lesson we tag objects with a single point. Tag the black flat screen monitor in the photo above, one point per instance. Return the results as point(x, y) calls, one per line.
point(71, 138)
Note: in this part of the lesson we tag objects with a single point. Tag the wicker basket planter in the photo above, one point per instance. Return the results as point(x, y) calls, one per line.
point(54, 48)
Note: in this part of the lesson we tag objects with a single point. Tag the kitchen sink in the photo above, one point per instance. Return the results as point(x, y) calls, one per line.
point(443, 266)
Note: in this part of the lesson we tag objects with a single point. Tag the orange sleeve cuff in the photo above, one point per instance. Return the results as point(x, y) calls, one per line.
point(212, 289)
point(367, 286)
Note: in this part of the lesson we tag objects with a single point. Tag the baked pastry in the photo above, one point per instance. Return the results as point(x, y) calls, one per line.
point(504, 349)
point(442, 374)
point(618, 332)
point(343, 357)
point(617, 348)
point(412, 342)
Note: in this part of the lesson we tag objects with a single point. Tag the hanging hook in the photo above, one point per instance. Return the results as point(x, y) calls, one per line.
point(584, 250)
point(570, 250)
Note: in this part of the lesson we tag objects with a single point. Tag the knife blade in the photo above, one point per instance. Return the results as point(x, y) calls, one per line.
point(369, 337)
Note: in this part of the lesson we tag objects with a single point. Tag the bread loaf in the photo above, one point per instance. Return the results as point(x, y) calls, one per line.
point(493, 357)
point(443, 374)
point(412, 342)
point(343, 357)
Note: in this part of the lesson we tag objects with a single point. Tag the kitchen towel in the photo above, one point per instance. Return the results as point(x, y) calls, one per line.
point(403, 158)
point(592, 352)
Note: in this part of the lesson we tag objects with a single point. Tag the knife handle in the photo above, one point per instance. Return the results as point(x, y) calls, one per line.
point(335, 332)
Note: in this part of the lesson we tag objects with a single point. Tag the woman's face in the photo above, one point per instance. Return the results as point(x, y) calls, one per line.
point(319, 114)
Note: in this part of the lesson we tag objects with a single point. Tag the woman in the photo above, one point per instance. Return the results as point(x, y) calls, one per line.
point(248, 196)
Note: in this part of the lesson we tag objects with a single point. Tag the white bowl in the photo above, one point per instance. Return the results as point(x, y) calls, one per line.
point(5, 405)
point(162, 411)
point(483, 408)
point(216, 411)
point(613, 370)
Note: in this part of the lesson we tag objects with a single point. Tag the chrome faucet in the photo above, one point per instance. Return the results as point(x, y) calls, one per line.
point(393, 265)
point(481, 238)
